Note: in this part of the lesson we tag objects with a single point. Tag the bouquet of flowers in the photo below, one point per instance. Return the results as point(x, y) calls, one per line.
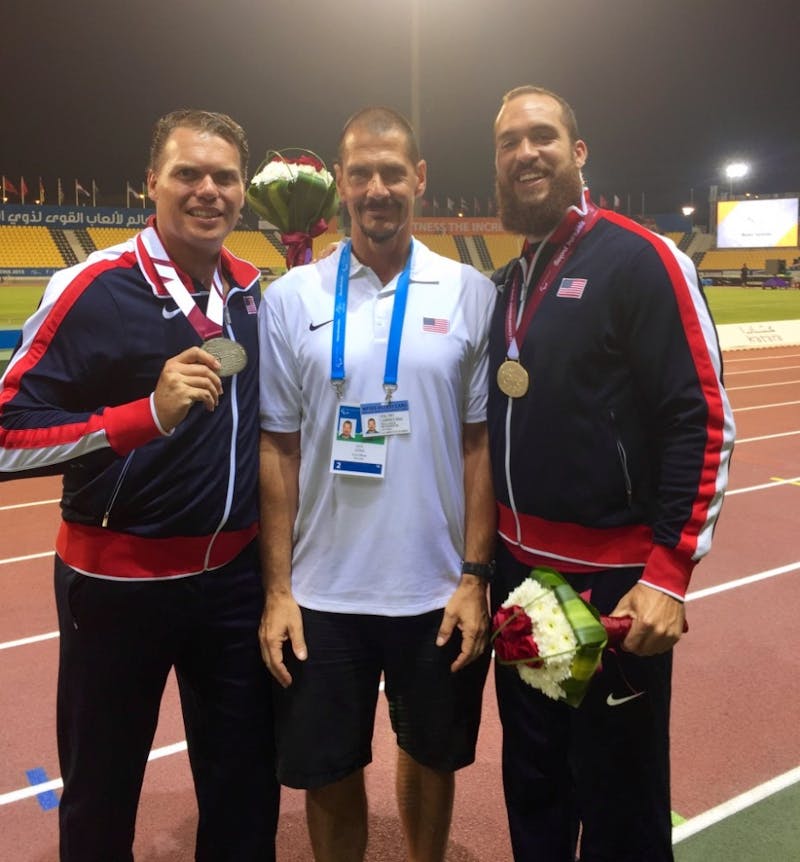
point(298, 195)
point(552, 636)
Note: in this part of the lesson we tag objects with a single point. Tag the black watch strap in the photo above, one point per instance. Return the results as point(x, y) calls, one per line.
point(485, 571)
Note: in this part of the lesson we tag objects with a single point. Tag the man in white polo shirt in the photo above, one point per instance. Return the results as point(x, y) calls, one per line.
point(377, 548)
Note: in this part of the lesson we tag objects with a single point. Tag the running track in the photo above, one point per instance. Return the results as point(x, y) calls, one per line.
point(735, 705)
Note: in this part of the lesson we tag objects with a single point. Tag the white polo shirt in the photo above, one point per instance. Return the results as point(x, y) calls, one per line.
point(390, 546)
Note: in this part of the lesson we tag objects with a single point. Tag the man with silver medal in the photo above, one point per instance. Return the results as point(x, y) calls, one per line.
point(118, 384)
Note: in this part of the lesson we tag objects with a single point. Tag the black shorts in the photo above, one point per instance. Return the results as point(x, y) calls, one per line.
point(325, 718)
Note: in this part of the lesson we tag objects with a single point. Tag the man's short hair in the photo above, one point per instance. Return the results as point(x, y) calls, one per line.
point(380, 120)
point(210, 122)
point(567, 114)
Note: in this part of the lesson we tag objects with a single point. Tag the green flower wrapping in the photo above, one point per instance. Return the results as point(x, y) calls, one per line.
point(297, 195)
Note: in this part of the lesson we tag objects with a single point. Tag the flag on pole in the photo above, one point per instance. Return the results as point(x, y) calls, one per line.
point(450, 204)
point(617, 202)
point(9, 187)
point(476, 208)
point(23, 189)
point(490, 206)
point(60, 193)
point(435, 206)
point(79, 189)
point(130, 190)
point(603, 202)
point(41, 191)
point(464, 207)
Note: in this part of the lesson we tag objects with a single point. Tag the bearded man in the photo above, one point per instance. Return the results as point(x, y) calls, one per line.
point(610, 438)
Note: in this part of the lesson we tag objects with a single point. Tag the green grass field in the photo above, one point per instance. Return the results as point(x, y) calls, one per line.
point(728, 304)
point(752, 305)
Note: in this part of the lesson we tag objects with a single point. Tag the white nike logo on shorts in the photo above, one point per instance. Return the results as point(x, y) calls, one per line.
point(618, 701)
point(168, 315)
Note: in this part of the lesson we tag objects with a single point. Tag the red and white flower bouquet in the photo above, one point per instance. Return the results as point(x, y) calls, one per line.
point(552, 636)
point(297, 194)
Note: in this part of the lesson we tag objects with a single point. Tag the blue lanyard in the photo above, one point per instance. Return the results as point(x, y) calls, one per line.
point(340, 320)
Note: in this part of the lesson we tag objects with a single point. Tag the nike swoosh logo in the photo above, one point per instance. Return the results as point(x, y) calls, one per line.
point(168, 315)
point(618, 701)
point(313, 326)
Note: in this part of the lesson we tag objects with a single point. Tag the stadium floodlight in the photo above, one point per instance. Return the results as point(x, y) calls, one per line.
point(735, 171)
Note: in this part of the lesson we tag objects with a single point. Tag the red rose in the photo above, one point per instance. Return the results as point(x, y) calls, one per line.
point(513, 639)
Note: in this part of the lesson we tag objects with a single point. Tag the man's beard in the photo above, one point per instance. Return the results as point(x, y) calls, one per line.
point(538, 218)
point(384, 232)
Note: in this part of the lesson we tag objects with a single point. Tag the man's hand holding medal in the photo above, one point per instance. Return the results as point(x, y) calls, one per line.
point(191, 376)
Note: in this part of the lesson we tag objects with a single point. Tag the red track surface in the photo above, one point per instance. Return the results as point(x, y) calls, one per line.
point(734, 714)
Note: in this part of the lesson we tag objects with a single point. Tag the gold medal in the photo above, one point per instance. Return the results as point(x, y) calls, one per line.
point(512, 379)
point(231, 355)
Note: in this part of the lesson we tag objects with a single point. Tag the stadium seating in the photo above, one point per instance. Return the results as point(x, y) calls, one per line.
point(502, 247)
point(33, 246)
point(324, 240)
point(255, 247)
point(441, 243)
point(103, 237)
point(755, 258)
point(28, 246)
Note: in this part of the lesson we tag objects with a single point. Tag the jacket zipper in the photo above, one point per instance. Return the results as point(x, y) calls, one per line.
point(115, 493)
point(623, 459)
point(232, 445)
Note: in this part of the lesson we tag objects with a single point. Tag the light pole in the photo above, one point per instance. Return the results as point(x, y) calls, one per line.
point(735, 171)
point(416, 121)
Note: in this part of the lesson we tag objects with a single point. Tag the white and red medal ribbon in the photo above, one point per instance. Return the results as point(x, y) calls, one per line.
point(163, 275)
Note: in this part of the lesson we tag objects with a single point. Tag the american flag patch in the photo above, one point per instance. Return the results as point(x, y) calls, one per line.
point(250, 305)
point(435, 324)
point(572, 288)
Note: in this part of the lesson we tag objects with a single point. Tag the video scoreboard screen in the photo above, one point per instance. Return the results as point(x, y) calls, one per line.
point(770, 223)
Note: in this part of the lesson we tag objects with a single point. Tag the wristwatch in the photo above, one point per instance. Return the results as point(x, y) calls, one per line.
point(484, 571)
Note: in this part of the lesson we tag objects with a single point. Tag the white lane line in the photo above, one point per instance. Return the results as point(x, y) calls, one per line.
point(7, 560)
point(742, 582)
point(735, 805)
point(774, 483)
point(766, 437)
point(766, 406)
point(34, 639)
point(57, 783)
point(27, 505)
point(762, 370)
point(761, 385)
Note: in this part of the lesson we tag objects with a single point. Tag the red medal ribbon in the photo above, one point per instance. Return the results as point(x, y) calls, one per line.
point(536, 293)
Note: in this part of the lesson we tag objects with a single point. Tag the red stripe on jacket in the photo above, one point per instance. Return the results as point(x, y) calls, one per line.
point(98, 551)
point(707, 378)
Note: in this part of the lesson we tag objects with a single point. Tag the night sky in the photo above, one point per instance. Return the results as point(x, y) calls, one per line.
point(666, 91)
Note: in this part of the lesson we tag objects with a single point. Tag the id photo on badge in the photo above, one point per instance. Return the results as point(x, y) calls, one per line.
point(346, 430)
